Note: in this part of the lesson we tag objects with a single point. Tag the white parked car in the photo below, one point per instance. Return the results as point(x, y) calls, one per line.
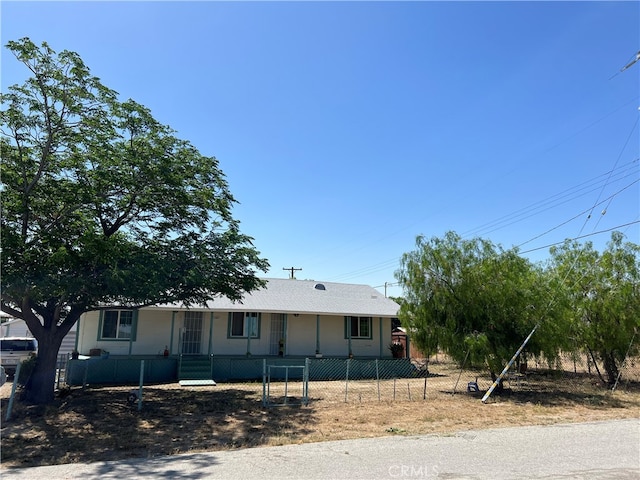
point(14, 350)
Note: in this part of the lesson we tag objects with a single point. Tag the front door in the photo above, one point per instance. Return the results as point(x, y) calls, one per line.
point(192, 333)
point(276, 343)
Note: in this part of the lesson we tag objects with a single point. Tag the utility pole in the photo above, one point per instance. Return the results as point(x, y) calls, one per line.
point(292, 269)
point(388, 284)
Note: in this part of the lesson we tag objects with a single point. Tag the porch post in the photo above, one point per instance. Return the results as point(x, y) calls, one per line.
point(173, 323)
point(380, 320)
point(249, 325)
point(349, 319)
point(317, 333)
point(209, 352)
point(77, 332)
point(284, 333)
point(134, 327)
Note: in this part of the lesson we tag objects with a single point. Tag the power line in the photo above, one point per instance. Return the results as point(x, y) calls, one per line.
point(632, 61)
point(567, 195)
point(610, 198)
point(582, 236)
point(617, 160)
point(366, 270)
point(617, 173)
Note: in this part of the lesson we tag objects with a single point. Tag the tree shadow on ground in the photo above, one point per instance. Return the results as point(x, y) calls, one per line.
point(101, 424)
point(560, 389)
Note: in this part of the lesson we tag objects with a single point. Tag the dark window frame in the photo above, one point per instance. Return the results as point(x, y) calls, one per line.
point(116, 328)
point(356, 328)
point(238, 325)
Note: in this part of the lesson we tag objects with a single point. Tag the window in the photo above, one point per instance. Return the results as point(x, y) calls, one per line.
point(18, 345)
point(360, 327)
point(241, 323)
point(117, 325)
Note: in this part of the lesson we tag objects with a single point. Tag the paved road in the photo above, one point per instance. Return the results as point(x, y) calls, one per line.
point(599, 450)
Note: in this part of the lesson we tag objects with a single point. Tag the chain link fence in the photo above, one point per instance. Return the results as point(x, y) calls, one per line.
point(364, 380)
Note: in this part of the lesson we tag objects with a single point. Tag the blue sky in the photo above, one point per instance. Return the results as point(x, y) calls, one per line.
point(345, 129)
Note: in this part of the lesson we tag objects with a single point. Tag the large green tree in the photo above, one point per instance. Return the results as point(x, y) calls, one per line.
point(603, 298)
point(100, 204)
point(475, 301)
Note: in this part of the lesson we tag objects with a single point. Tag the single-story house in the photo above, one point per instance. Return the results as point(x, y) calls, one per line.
point(286, 319)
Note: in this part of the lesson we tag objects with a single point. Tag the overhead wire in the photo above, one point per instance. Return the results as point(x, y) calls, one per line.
point(571, 193)
point(365, 270)
point(617, 160)
point(552, 298)
point(623, 171)
point(609, 199)
point(530, 211)
point(634, 222)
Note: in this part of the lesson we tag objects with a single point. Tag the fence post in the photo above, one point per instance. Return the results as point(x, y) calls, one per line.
point(58, 369)
point(264, 382)
point(378, 378)
point(140, 387)
point(626, 355)
point(57, 382)
point(86, 373)
point(305, 375)
point(346, 385)
point(286, 383)
point(460, 374)
point(424, 394)
point(16, 376)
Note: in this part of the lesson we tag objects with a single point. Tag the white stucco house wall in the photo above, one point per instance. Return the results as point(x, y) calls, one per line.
point(288, 317)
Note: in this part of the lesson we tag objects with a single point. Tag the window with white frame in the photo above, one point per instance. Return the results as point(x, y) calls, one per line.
point(243, 324)
point(116, 325)
point(360, 327)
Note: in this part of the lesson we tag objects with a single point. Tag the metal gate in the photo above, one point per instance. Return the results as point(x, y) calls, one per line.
point(277, 333)
point(192, 333)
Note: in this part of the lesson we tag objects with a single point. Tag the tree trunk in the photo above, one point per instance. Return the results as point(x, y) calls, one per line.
point(610, 366)
point(595, 364)
point(39, 388)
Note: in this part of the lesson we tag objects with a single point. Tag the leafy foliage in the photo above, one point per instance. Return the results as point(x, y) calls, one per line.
point(102, 204)
point(478, 302)
point(475, 301)
point(603, 298)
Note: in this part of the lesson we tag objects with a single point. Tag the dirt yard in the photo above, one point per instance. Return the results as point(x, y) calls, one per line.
point(98, 424)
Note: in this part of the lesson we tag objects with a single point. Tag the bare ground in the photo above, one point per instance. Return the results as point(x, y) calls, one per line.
point(98, 424)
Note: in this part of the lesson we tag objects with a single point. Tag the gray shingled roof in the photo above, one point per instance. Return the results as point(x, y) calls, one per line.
point(303, 296)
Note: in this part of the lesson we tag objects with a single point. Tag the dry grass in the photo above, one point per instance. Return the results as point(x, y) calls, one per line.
point(99, 424)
